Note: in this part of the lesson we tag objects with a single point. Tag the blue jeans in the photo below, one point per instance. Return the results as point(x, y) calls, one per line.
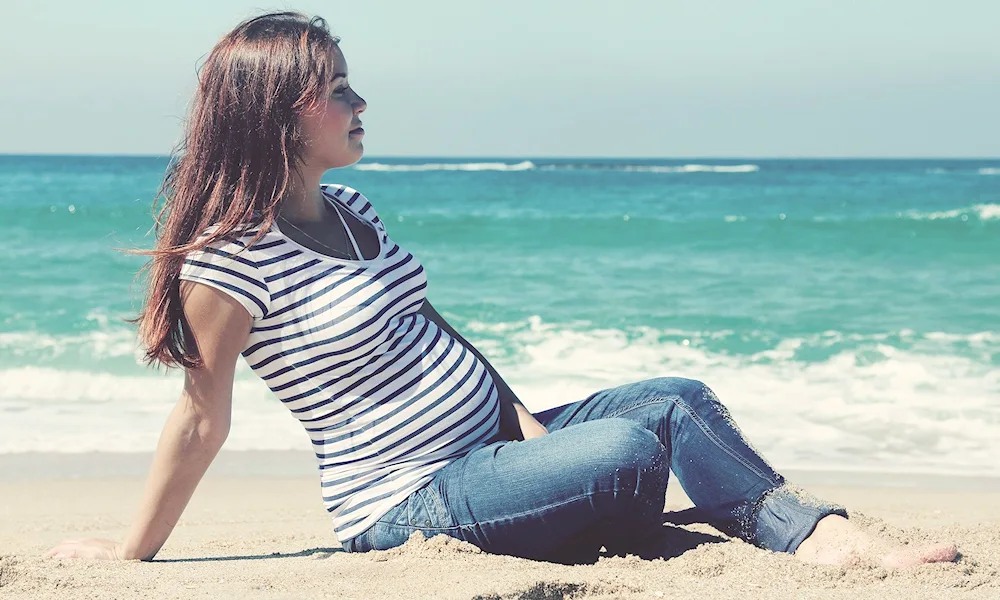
point(599, 479)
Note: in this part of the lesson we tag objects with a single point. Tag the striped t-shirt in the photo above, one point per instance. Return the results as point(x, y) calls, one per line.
point(385, 395)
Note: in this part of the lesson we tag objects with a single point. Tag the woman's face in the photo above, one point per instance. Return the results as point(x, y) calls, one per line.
point(332, 127)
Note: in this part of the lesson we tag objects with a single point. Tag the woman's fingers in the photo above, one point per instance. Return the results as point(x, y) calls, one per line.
point(67, 549)
point(88, 548)
point(62, 545)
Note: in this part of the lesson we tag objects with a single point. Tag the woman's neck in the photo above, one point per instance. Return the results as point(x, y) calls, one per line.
point(303, 201)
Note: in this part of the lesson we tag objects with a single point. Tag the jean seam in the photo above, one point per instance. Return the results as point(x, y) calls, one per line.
point(505, 517)
point(481, 523)
point(535, 510)
point(643, 404)
point(718, 441)
point(420, 527)
point(680, 403)
point(475, 524)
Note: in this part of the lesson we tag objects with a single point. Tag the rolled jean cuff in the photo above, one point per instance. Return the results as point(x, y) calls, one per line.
point(786, 516)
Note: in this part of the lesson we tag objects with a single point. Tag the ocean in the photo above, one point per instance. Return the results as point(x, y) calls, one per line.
point(847, 311)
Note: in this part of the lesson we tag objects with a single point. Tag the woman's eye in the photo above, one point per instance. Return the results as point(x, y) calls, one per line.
point(342, 90)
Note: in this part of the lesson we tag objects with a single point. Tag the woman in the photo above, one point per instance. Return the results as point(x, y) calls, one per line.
point(412, 427)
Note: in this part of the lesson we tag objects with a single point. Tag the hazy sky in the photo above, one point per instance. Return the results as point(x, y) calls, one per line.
point(652, 78)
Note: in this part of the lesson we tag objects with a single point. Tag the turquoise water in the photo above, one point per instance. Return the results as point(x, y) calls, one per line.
point(847, 310)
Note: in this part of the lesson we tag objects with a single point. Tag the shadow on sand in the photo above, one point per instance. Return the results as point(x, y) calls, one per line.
point(671, 542)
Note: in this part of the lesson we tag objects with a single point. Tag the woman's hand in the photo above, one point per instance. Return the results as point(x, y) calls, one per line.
point(88, 548)
point(530, 427)
point(533, 429)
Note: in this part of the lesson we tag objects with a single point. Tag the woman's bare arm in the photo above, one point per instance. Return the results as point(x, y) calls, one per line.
point(194, 431)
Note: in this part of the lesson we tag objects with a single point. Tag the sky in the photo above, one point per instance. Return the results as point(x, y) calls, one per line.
point(540, 78)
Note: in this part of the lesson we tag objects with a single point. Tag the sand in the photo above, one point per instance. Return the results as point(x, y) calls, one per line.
point(256, 528)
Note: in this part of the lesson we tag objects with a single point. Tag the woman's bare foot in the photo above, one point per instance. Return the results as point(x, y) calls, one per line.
point(837, 541)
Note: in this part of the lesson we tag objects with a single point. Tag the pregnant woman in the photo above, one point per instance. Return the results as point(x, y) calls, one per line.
point(413, 429)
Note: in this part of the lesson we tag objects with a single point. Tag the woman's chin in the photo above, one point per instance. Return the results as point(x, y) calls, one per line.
point(347, 161)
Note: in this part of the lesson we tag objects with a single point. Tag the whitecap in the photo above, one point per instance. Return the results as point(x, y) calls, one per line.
point(984, 212)
point(692, 168)
point(526, 165)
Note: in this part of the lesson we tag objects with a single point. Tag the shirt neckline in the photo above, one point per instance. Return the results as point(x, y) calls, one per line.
point(379, 256)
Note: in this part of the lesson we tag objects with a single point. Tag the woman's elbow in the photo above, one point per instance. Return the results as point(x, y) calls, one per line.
point(213, 432)
point(205, 428)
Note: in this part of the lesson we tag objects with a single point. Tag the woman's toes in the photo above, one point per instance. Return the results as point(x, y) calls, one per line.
point(911, 557)
point(838, 541)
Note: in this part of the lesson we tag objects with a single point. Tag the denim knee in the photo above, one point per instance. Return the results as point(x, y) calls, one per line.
point(628, 445)
point(691, 390)
point(699, 398)
point(640, 470)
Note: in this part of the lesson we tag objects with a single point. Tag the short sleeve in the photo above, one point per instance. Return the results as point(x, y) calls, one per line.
point(229, 268)
point(356, 201)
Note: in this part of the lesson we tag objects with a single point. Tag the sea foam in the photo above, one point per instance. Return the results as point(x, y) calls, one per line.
point(873, 403)
point(983, 212)
point(526, 165)
point(694, 169)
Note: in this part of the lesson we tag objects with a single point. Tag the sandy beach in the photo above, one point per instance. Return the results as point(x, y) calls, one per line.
point(256, 528)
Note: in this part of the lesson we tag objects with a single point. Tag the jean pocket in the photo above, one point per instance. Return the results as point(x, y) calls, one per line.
point(389, 531)
point(423, 510)
point(383, 536)
point(426, 509)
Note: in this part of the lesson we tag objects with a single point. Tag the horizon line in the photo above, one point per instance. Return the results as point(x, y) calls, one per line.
point(539, 157)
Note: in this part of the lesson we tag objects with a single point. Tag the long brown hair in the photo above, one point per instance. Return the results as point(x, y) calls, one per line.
point(242, 142)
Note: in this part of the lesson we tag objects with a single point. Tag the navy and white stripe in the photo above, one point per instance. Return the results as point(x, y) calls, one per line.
point(386, 396)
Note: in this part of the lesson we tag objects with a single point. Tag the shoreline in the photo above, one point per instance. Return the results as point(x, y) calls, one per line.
point(281, 464)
